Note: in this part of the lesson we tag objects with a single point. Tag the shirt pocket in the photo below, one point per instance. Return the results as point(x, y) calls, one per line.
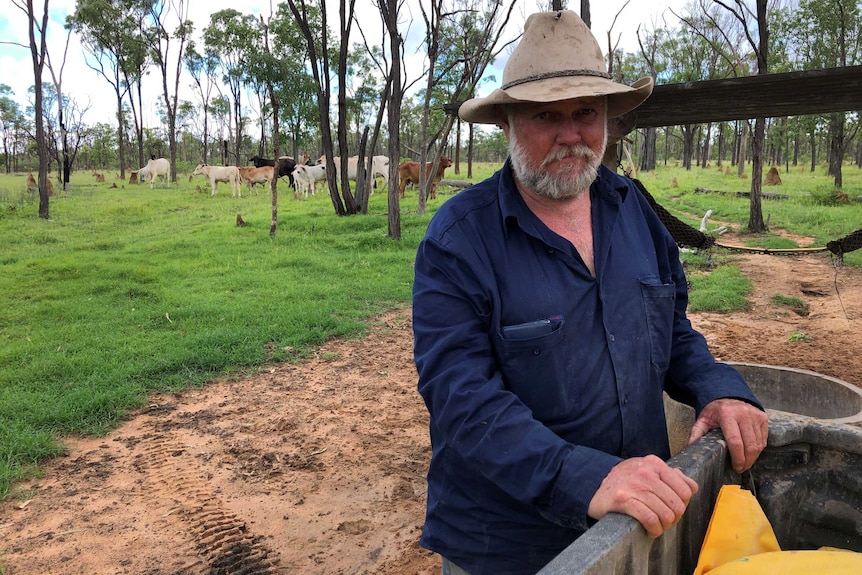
point(658, 301)
point(534, 365)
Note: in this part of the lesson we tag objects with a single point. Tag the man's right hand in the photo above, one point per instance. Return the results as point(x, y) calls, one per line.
point(646, 488)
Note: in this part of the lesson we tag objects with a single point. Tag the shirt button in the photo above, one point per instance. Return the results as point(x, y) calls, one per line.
point(550, 250)
point(536, 351)
point(611, 337)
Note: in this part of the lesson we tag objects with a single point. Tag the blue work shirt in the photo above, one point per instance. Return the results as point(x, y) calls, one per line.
point(539, 377)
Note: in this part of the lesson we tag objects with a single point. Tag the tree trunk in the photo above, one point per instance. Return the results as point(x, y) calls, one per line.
point(706, 135)
point(687, 145)
point(237, 111)
point(469, 151)
point(813, 140)
point(648, 152)
point(836, 148)
point(389, 12)
point(276, 150)
point(743, 150)
point(755, 215)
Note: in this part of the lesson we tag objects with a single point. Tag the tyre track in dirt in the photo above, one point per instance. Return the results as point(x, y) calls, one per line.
point(222, 539)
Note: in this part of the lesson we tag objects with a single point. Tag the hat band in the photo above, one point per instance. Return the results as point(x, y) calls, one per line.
point(557, 74)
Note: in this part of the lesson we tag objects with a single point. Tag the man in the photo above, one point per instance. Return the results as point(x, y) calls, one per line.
point(549, 315)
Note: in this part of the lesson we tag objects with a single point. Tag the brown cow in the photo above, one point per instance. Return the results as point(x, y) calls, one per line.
point(253, 176)
point(408, 172)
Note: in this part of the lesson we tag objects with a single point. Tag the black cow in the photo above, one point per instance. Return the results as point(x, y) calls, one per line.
point(285, 166)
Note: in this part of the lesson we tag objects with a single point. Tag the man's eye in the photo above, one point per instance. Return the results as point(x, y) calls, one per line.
point(587, 112)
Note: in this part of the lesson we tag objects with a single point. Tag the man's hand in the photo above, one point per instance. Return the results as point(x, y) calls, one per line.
point(744, 426)
point(646, 488)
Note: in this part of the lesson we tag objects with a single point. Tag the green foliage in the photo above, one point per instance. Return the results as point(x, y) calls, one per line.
point(800, 336)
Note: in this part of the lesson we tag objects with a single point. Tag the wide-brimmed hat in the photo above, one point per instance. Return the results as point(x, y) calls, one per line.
point(558, 58)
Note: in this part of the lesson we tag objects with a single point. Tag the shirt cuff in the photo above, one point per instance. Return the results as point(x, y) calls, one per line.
point(580, 476)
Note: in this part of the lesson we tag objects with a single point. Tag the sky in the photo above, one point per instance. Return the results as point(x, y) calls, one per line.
point(89, 88)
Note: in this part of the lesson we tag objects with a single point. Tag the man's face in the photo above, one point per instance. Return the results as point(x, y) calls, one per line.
point(556, 148)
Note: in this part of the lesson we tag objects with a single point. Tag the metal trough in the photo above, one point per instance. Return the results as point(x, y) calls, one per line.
point(784, 389)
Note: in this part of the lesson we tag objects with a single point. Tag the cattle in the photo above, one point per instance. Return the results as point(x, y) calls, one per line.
point(156, 167)
point(286, 165)
point(379, 167)
point(408, 172)
point(307, 177)
point(253, 176)
point(216, 174)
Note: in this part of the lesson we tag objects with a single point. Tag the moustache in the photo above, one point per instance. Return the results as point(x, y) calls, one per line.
point(576, 151)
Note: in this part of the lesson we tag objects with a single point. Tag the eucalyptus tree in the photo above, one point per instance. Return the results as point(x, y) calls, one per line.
point(37, 31)
point(482, 25)
point(220, 108)
point(385, 61)
point(104, 41)
point(295, 89)
point(166, 51)
point(711, 44)
point(268, 70)
point(10, 115)
point(230, 37)
point(57, 77)
point(99, 148)
point(64, 126)
point(390, 11)
point(461, 40)
point(725, 52)
point(760, 47)
point(113, 33)
point(312, 20)
point(202, 69)
point(828, 34)
point(649, 42)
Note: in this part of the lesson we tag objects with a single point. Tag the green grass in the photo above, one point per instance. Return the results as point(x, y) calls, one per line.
point(722, 290)
point(796, 304)
point(126, 291)
point(804, 212)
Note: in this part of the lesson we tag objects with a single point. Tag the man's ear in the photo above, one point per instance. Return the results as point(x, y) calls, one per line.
point(502, 118)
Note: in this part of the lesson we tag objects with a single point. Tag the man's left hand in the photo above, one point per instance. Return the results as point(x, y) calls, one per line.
point(744, 426)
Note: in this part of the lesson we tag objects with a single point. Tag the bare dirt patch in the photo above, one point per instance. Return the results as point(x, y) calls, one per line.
point(320, 467)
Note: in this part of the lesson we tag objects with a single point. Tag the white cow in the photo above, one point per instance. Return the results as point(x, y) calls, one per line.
point(307, 177)
point(155, 167)
point(379, 167)
point(215, 174)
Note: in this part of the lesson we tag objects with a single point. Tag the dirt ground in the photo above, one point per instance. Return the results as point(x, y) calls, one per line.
point(319, 467)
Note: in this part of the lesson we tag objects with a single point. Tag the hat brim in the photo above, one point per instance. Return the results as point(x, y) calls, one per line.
point(621, 98)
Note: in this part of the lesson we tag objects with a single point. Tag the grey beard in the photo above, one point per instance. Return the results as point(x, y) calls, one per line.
point(555, 187)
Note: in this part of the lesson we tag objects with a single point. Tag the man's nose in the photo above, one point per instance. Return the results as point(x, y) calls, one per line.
point(569, 131)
